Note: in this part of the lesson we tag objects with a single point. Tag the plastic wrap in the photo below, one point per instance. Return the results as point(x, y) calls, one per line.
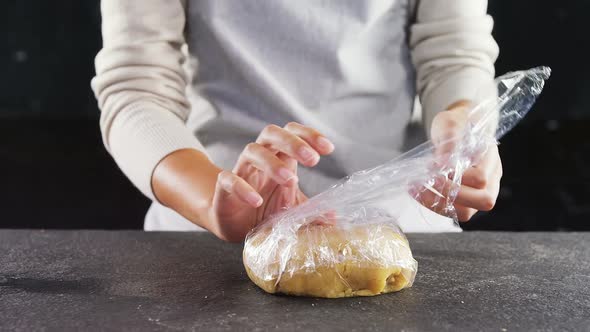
point(346, 242)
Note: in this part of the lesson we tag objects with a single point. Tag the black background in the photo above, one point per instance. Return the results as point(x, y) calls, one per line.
point(56, 173)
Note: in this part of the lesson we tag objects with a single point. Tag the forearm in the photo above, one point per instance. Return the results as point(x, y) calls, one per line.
point(140, 85)
point(454, 52)
point(141, 136)
point(185, 181)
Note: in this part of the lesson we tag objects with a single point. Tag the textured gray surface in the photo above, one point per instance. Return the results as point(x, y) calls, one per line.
point(136, 281)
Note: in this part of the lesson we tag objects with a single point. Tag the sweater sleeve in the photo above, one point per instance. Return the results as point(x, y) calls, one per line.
point(140, 85)
point(454, 53)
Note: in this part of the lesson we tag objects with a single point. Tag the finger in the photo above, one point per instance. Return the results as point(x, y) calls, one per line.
point(290, 193)
point(329, 217)
point(266, 161)
point(464, 214)
point(313, 137)
point(435, 197)
point(489, 159)
point(475, 178)
point(282, 140)
point(323, 221)
point(231, 185)
point(481, 174)
point(482, 200)
point(290, 162)
point(432, 202)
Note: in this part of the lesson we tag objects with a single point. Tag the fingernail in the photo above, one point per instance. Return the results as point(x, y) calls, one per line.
point(254, 198)
point(307, 154)
point(325, 143)
point(287, 175)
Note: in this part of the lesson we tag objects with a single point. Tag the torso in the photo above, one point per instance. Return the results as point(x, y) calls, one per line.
point(340, 66)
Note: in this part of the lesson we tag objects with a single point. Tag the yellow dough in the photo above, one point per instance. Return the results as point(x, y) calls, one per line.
point(328, 261)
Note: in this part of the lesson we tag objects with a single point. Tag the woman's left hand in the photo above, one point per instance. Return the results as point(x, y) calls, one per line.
point(480, 184)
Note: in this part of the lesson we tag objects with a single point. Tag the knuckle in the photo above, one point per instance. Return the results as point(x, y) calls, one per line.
point(227, 180)
point(292, 125)
point(272, 128)
point(276, 169)
point(481, 180)
point(453, 125)
point(442, 116)
point(223, 175)
point(290, 145)
point(229, 237)
point(465, 214)
point(462, 215)
point(488, 202)
point(449, 124)
point(251, 147)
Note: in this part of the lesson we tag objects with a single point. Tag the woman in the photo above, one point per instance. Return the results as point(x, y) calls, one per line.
point(281, 83)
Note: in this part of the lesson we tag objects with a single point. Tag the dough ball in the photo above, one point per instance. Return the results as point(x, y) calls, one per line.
point(330, 261)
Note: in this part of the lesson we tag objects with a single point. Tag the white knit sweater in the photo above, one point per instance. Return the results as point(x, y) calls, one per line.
point(338, 65)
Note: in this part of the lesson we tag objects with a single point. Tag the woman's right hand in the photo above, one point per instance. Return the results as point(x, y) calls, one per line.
point(263, 181)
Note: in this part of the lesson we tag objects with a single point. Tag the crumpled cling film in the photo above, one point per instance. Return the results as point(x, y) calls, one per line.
point(344, 242)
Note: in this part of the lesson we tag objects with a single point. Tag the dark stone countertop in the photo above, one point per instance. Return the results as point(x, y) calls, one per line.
point(137, 281)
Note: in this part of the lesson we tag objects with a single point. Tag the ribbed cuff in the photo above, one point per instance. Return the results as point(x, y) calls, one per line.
point(472, 84)
point(141, 136)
